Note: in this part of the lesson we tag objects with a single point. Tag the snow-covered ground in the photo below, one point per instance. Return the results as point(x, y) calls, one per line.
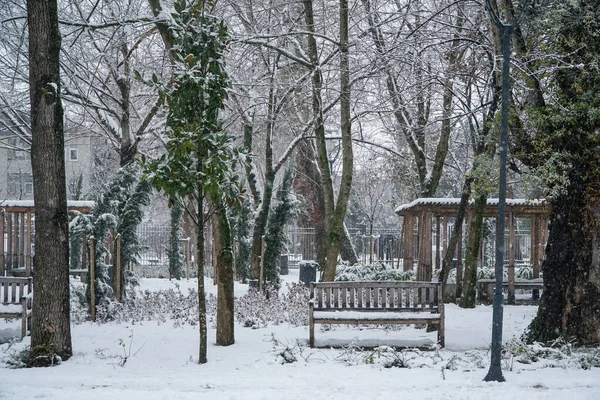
point(161, 363)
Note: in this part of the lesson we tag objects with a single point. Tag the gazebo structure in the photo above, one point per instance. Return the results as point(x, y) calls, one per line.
point(427, 226)
point(17, 225)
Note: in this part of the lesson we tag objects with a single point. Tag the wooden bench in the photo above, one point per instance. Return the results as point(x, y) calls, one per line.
point(14, 295)
point(485, 287)
point(375, 303)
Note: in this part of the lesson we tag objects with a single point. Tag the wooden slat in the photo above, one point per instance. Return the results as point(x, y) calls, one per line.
point(9, 241)
point(2, 260)
point(28, 259)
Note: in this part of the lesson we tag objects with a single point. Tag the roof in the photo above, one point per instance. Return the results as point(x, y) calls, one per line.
point(449, 206)
point(28, 205)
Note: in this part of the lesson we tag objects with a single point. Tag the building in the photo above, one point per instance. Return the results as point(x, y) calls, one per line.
point(16, 179)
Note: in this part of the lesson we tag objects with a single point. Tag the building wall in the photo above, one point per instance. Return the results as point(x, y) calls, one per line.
point(16, 180)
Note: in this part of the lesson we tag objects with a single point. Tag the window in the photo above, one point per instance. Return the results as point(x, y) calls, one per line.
point(16, 149)
point(73, 154)
point(19, 185)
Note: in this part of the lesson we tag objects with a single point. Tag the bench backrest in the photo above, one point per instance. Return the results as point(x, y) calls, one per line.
point(12, 289)
point(376, 296)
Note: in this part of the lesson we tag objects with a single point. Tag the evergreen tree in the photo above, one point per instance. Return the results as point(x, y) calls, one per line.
point(242, 231)
point(566, 150)
point(275, 238)
point(119, 206)
point(200, 161)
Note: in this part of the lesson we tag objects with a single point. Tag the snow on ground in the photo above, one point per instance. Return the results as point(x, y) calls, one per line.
point(162, 364)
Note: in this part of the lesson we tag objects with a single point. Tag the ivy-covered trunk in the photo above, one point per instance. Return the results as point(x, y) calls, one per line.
point(469, 285)
point(570, 303)
point(174, 252)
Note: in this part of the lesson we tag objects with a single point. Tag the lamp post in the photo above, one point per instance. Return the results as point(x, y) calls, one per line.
point(495, 371)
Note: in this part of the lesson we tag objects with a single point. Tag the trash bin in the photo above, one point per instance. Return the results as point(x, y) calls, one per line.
point(308, 271)
point(253, 284)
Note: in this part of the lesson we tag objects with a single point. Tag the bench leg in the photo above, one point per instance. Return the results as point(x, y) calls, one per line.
point(442, 329)
point(23, 318)
point(311, 330)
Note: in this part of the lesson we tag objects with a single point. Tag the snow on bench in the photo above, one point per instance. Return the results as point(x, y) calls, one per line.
point(389, 303)
point(14, 294)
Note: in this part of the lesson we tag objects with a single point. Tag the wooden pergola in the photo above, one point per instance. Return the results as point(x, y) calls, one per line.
point(426, 229)
point(17, 224)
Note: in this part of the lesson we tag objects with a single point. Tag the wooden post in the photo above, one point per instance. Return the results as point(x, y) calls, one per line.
point(22, 242)
point(92, 278)
point(437, 242)
point(511, 259)
point(2, 260)
point(410, 241)
point(28, 259)
point(445, 237)
point(118, 268)
point(9, 245)
point(15, 241)
point(262, 265)
point(421, 252)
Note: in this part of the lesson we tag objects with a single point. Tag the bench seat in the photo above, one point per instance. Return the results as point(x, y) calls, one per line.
point(377, 303)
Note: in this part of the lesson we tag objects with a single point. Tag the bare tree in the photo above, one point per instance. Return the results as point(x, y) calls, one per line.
point(51, 325)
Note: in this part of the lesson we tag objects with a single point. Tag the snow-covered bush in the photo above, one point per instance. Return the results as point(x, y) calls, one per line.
point(255, 309)
point(559, 354)
point(373, 272)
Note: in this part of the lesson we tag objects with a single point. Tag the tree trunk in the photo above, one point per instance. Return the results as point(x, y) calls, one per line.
point(569, 303)
point(450, 297)
point(347, 252)
point(51, 307)
point(202, 354)
point(225, 294)
point(307, 185)
point(260, 223)
point(469, 284)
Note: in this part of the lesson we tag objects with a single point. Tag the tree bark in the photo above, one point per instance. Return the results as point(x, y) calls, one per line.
point(260, 223)
point(51, 306)
point(307, 185)
point(225, 294)
point(469, 285)
point(200, 223)
point(336, 228)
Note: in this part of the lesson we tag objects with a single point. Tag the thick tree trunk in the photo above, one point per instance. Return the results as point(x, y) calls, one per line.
point(469, 285)
point(225, 295)
point(569, 306)
point(51, 307)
